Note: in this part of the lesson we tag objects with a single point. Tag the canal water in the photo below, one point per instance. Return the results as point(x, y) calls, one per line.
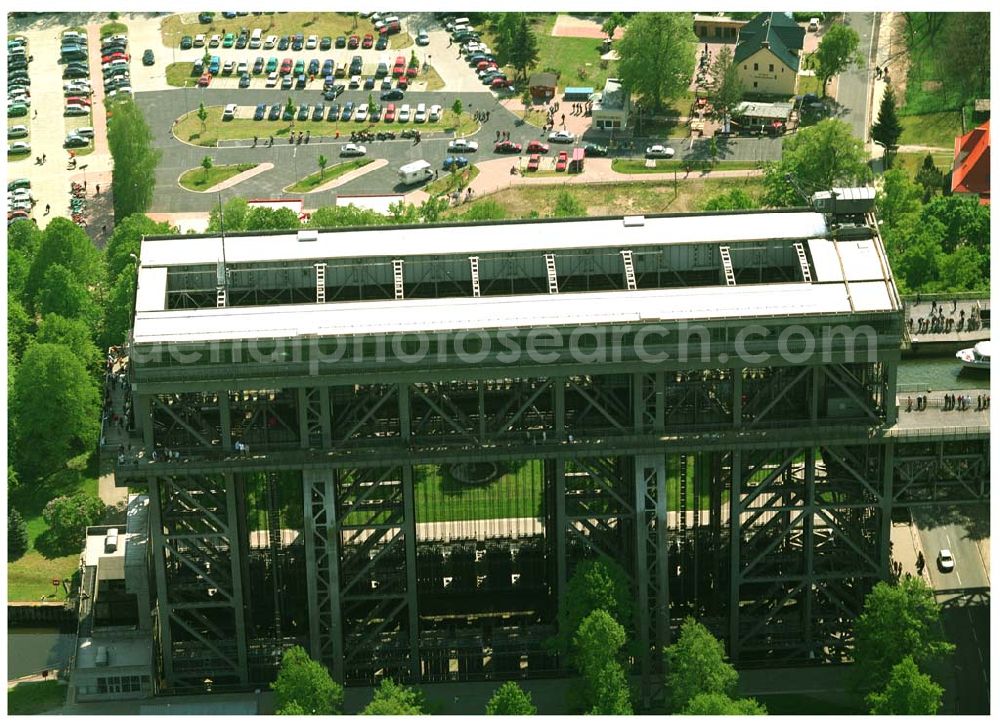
point(938, 373)
point(31, 650)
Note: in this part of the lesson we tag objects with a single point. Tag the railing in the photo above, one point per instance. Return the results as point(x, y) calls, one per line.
point(946, 296)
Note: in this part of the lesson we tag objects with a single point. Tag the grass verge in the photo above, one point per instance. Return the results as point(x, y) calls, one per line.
point(32, 698)
point(189, 128)
point(515, 494)
point(810, 84)
point(311, 23)
point(931, 129)
point(179, 74)
point(434, 81)
point(911, 162)
point(113, 28)
point(309, 183)
point(638, 166)
point(201, 179)
point(451, 181)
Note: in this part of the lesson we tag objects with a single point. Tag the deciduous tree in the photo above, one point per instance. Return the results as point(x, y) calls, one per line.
point(135, 160)
point(118, 309)
point(836, 52)
point(908, 692)
point(345, 216)
point(729, 200)
point(599, 584)
point(510, 699)
point(74, 334)
point(596, 650)
point(322, 162)
point(63, 243)
point(390, 698)
point(304, 687)
point(717, 703)
point(61, 294)
point(896, 622)
point(657, 57)
point(567, 205)
point(696, 664)
point(612, 23)
point(127, 238)
point(726, 90)
point(68, 518)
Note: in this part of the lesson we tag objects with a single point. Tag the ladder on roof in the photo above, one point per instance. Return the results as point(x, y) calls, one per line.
point(629, 268)
point(474, 269)
point(550, 269)
point(320, 281)
point(727, 266)
point(803, 262)
point(397, 277)
point(682, 504)
point(274, 546)
point(220, 296)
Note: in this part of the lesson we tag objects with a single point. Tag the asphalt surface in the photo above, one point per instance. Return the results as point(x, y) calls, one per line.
point(854, 83)
point(964, 597)
point(293, 162)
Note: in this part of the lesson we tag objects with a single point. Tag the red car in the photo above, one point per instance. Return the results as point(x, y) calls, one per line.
point(533, 161)
point(562, 161)
point(205, 79)
point(537, 147)
point(286, 66)
point(500, 83)
point(412, 72)
point(507, 147)
point(368, 41)
point(390, 113)
point(485, 65)
point(402, 83)
point(353, 42)
point(78, 99)
point(113, 56)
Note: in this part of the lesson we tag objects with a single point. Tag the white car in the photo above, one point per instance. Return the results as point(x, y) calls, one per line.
point(17, 132)
point(463, 145)
point(214, 41)
point(658, 151)
point(361, 114)
point(229, 112)
point(119, 92)
point(403, 116)
point(311, 42)
point(272, 79)
point(18, 147)
point(355, 82)
point(352, 149)
point(75, 109)
point(813, 25)
point(199, 40)
point(228, 67)
point(561, 137)
point(77, 88)
point(420, 116)
point(435, 113)
point(85, 131)
point(242, 68)
point(946, 562)
point(270, 41)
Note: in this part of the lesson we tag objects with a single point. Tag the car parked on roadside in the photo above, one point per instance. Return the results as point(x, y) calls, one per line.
point(536, 147)
point(274, 113)
point(260, 112)
point(659, 151)
point(73, 141)
point(352, 149)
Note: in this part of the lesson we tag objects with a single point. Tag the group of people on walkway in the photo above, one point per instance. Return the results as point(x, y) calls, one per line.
point(950, 401)
point(940, 322)
point(481, 116)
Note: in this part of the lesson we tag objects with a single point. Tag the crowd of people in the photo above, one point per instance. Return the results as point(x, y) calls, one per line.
point(950, 401)
point(941, 322)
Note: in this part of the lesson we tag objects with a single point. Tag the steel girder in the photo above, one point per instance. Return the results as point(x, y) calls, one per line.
point(940, 472)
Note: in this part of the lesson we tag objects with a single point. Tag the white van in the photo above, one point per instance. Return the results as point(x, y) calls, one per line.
point(255, 37)
point(415, 172)
point(462, 21)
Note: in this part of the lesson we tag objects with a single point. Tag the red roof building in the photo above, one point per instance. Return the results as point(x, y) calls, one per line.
point(971, 171)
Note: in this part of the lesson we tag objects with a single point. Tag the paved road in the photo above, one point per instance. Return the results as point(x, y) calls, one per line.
point(853, 84)
point(964, 597)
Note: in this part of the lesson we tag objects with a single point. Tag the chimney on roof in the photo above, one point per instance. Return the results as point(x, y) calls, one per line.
point(765, 44)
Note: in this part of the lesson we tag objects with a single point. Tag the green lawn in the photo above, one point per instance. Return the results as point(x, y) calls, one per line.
point(29, 579)
point(201, 179)
point(924, 90)
point(449, 181)
point(179, 74)
point(931, 129)
point(810, 84)
point(434, 82)
point(310, 182)
point(516, 494)
point(638, 166)
point(32, 698)
point(113, 28)
point(189, 128)
point(911, 162)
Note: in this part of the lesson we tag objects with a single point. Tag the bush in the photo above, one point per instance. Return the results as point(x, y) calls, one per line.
point(68, 518)
point(17, 535)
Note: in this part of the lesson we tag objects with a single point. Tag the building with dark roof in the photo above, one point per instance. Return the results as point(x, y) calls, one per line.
point(767, 54)
point(971, 170)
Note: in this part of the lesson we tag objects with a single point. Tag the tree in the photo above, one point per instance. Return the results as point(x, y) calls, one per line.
point(600, 584)
point(456, 108)
point(612, 23)
point(726, 90)
point(510, 699)
point(289, 107)
point(964, 218)
point(206, 165)
point(63, 243)
point(485, 210)
point(506, 30)
point(327, 217)
point(17, 538)
point(836, 52)
point(717, 703)
point(263, 219)
point(202, 116)
point(896, 622)
point(818, 158)
point(19, 327)
point(597, 644)
point(887, 129)
point(372, 106)
point(523, 53)
point(126, 239)
point(526, 100)
point(61, 294)
point(967, 71)
point(56, 408)
point(118, 309)
point(74, 334)
point(304, 687)
point(322, 162)
point(68, 518)
point(232, 218)
point(657, 57)
point(432, 208)
point(696, 664)
point(392, 699)
point(608, 691)
point(930, 178)
point(568, 205)
point(898, 197)
point(908, 692)
point(135, 160)
point(730, 200)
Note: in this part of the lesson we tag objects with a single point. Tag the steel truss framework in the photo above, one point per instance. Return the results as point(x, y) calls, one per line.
point(729, 503)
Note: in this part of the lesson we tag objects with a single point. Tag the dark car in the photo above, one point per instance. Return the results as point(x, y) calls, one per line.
point(333, 91)
point(392, 95)
point(341, 41)
point(382, 43)
point(327, 68)
point(258, 66)
point(205, 18)
point(303, 112)
point(507, 147)
point(317, 114)
point(245, 80)
point(313, 67)
point(375, 113)
point(300, 82)
point(298, 41)
point(258, 114)
point(386, 84)
point(275, 113)
point(286, 83)
point(348, 111)
point(334, 113)
point(457, 161)
point(369, 84)
point(288, 113)
point(284, 42)
point(242, 40)
point(353, 42)
point(187, 42)
point(325, 43)
point(72, 72)
point(593, 149)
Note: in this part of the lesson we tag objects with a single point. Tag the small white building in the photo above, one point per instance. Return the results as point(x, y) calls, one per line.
point(611, 107)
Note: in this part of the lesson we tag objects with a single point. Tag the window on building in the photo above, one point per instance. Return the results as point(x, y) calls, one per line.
point(755, 84)
point(770, 67)
point(744, 66)
point(755, 66)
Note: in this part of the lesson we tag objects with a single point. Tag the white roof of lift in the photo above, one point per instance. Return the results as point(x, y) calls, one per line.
point(524, 311)
point(548, 237)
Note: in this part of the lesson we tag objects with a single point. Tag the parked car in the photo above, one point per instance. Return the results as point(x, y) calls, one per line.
point(272, 80)
point(313, 67)
point(274, 113)
point(348, 111)
point(18, 147)
point(326, 43)
point(286, 66)
point(333, 91)
point(390, 113)
point(311, 42)
point(507, 147)
point(260, 112)
point(187, 42)
point(327, 68)
point(341, 41)
point(229, 112)
point(368, 41)
point(288, 112)
point(300, 67)
point(351, 149)
point(403, 116)
point(270, 41)
point(75, 109)
point(382, 43)
point(536, 147)
point(284, 42)
point(17, 132)
point(561, 137)
point(593, 149)
point(659, 151)
point(423, 38)
point(215, 41)
point(204, 80)
point(434, 114)
point(318, 112)
point(392, 95)
point(353, 42)
point(229, 67)
point(459, 162)
point(75, 142)
point(272, 65)
point(361, 113)
point(334, 113)
point(258, 66)
point(228, 40)
point(245, 80)
point(286, 83)
point(85, 131)
point(199, 40)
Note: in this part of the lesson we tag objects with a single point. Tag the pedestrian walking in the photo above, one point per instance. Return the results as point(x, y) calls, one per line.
point(48, 208)
point(97, 187)
point(270, 140)
point(254, 142)
point(43, 158)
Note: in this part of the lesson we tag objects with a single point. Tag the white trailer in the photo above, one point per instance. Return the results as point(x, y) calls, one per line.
point(415, 172)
